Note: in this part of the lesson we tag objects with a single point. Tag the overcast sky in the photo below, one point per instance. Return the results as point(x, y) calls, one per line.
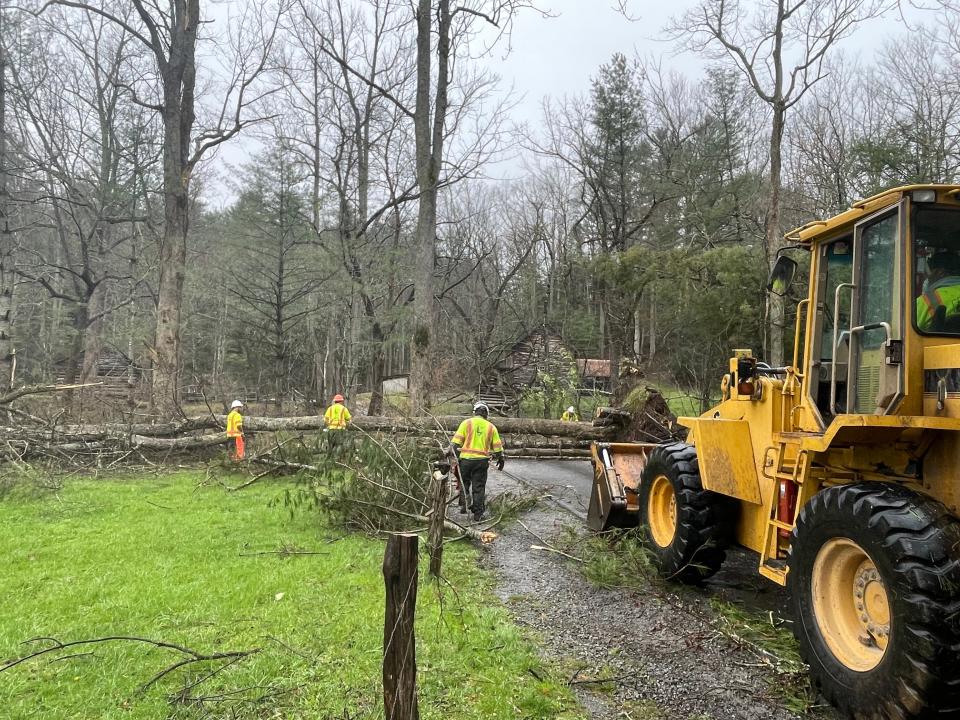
point(558, 55)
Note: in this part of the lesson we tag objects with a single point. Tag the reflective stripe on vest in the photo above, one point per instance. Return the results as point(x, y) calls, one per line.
point(470, 450)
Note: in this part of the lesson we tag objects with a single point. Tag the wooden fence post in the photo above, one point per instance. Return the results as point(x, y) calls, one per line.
point(399, 646)
point(438, 513)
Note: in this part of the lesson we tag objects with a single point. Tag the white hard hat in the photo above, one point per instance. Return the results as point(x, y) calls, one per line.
point(570, 409)
point(479, 405)
point(236, 404)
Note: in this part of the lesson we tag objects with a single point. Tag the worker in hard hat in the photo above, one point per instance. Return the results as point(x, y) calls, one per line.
point(235, 429)
point(475, 442)
point(570, 415)
point(337, 416)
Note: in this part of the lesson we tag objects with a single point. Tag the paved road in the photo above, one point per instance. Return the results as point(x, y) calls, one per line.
point(568, 482)
point(668, 661)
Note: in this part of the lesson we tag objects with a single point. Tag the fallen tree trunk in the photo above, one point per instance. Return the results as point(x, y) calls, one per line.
point(443, 423)
point(558, 454)
point(184, 443)
point(29, 440)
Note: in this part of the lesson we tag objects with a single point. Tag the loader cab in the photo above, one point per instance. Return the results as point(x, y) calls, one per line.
point(884, 284)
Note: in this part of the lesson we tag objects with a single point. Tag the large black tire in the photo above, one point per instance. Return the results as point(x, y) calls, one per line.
point(914, 545)
point(703, 521)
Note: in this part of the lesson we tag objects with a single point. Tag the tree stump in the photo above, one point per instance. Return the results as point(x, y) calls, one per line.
point(399, 647)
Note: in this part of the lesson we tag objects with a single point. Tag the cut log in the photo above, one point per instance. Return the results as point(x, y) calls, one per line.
point(184, 443)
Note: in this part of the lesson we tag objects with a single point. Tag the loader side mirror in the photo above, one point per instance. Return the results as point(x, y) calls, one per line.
point(781, 276)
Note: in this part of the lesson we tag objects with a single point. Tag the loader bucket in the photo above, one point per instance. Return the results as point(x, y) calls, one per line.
point(616, 476)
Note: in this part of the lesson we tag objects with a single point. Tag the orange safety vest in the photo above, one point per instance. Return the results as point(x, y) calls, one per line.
point(478, 438)
point(337, 416)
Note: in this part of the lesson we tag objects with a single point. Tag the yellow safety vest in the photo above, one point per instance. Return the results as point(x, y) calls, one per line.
point(478, 438)
point(337, 416)
point(234, 424)
point(927, 304)
point(569, 417)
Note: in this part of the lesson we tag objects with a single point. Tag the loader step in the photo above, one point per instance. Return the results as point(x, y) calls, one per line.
point(775, 570)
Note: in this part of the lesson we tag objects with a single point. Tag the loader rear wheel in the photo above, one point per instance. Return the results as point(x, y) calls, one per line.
point(874, 586)
point(687, 528)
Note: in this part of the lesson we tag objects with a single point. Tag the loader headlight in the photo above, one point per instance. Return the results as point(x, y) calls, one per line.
point(924, 196)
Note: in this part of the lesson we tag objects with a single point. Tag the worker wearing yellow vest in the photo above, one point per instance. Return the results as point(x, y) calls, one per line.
point(235, 429)
point(475, 442)
point(941, 289)
point(337, 416)
point(570, 415)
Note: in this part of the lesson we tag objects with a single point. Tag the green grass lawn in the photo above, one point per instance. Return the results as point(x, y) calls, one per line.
point(161, 558)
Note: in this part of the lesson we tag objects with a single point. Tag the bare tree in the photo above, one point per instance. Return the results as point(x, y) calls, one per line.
point(7, 242)
point(781, 48)
point(170, 36)
point(440, 110)
point(361, 160)
point(452, 24)
point(87, 145)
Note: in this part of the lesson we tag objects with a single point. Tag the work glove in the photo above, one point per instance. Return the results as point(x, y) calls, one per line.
point(500, 462)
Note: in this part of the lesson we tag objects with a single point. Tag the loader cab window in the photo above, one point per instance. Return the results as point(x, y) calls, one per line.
point(859, 305)
point(936, 265)
point(835, 270)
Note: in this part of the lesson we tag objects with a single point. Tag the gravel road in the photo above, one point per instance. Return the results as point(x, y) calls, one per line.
point(668, 663)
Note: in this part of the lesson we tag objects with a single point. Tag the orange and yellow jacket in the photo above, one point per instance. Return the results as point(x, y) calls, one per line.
point(478, 438)
point(337, 416)
point(234, 424)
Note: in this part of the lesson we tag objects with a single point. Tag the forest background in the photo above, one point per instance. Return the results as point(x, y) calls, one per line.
point(372, 234)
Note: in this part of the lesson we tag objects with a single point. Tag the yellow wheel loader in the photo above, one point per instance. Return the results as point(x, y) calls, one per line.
point(841, 470)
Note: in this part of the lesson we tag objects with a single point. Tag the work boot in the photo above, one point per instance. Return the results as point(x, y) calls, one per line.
point(463, 511)
point(477, 516)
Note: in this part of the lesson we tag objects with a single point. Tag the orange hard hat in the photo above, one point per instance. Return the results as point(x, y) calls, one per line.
point(338, 398)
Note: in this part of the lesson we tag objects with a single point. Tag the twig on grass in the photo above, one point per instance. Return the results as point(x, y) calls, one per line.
point(558, 552)
point(192, 656)
point(287, 647)
point(249, 482)
point(547, 546)
point(70, 657)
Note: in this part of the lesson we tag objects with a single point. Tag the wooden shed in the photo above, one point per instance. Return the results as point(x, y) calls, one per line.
point(538, 352)
point(594, 374)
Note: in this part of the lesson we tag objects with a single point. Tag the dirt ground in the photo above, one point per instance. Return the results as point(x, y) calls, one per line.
point(664, 652)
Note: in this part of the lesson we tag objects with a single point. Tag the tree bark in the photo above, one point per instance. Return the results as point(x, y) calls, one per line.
point(399, 646)
point(428, 133)
point(438, 507)
point(177, 65)
point(93, 334)
point(773, 239)
point(6, 232)
point(375, 407)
